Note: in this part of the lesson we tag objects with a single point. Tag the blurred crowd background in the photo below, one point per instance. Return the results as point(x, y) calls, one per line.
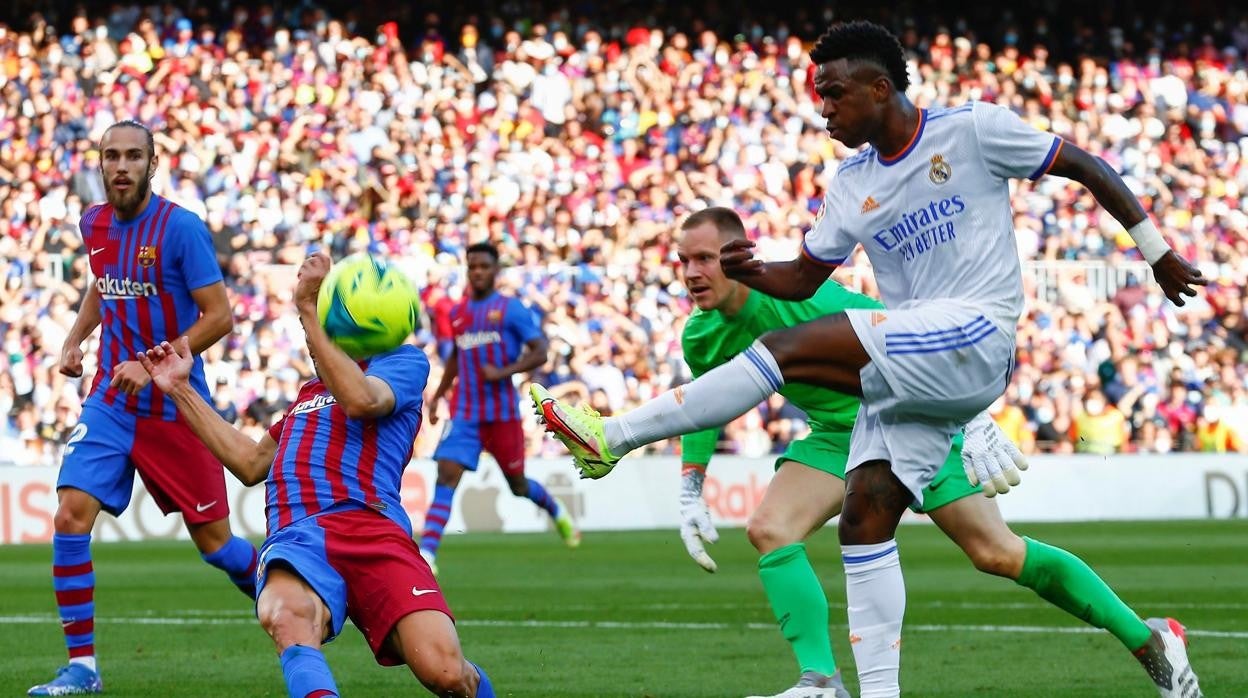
point(576, 139)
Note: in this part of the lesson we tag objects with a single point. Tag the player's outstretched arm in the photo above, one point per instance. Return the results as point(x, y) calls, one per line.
point(1174, 274)
point(169, 365)
point(360, 396)
point(794, 280)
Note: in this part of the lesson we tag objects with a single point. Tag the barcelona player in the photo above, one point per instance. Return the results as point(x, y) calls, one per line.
point(155, 277)
point(339, 543)
point(495, 337)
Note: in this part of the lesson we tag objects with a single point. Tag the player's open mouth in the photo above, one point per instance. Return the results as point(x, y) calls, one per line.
point(122, 183)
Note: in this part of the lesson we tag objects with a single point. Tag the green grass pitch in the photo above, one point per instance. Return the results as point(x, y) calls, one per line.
point(629, 615)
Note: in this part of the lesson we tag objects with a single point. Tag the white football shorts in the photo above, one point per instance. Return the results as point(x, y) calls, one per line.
point(935, 364)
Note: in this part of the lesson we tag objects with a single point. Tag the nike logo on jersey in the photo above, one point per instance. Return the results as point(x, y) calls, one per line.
point(201, 508)
point(422, 592)
point(97, 250)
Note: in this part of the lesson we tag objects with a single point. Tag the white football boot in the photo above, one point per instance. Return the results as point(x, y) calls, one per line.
point(812, 684)
point(1165, 660)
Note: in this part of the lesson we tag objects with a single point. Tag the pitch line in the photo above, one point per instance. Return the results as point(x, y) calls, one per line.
point(219, 618)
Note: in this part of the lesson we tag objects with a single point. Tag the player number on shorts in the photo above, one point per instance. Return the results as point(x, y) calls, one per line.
point(78, 434)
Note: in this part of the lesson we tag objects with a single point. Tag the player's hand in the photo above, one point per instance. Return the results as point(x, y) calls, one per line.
point(168, 364)
point(311, 273)
point(696, 528)
point(491, 373)
point(434, 403)
point(989, 457)
point(736, 259)
point(1176, 277)
point(129, 377)
point(71, 360)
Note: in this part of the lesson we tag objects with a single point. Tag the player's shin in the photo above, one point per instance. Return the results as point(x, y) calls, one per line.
point(435, 519)
point(713, 399)
point(876, 596)
point(307, 673)
point(237, 558)
point(801, 607)
point(73, 579)
point(1067, 582)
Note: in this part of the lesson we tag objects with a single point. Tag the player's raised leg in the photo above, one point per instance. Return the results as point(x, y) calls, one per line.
point(799, 500)
point(1064, 580)
point(298, 621)
point(824, 352)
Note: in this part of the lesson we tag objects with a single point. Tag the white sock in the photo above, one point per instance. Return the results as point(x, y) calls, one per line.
point(876, 595)
point(88, 662)
point(713, 399)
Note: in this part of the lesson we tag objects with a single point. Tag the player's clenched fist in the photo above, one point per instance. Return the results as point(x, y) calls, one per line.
point(71, 360)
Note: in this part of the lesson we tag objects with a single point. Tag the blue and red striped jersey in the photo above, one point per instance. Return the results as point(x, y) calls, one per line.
point(325, 458)
point(144, 270)
point(489, 331)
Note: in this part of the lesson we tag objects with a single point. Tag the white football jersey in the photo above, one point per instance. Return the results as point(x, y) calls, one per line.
point(935, 219)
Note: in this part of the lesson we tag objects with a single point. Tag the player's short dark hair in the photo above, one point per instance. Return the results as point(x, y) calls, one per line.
point(483, 247)
point(864, 41)
point(131, 123)
point(725, 220)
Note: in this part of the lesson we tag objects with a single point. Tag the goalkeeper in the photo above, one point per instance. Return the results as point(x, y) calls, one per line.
point(809, 485)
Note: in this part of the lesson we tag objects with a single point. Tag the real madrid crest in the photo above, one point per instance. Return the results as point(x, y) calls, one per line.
point(941, 171)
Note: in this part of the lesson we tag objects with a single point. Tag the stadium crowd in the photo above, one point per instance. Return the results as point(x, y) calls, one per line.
point(577, 146)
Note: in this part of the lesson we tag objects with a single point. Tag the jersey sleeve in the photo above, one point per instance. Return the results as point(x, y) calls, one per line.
point(197, 258)
point(699, 446)
point(521, 322)
point(406, 371)
point(275, 429)
point(827, 242)
point(1010, 147)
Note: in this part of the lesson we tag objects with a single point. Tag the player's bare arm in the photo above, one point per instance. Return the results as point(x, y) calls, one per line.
point(169, 365)
point(534, 355)
point(794, 280)
point(360, 396)
point(86, 322)
point(450, 370)
point(1174, 274)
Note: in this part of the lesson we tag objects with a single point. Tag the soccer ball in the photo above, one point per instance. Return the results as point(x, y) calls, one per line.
point(366, 306)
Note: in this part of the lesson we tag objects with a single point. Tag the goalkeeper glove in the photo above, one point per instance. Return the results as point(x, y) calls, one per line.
point(989, 457)
point(695, 518)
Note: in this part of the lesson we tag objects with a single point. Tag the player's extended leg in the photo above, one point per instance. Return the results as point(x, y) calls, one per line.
point(232, 554)
point(428, 644)
point(875, 591)
point(73, 579)
point(799, 500)
point(824, 352)
point(298, 621)
point(505, 441)
point(1066, 581)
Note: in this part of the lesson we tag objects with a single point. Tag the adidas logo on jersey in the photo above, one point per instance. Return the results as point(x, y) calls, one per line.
point(869, 205)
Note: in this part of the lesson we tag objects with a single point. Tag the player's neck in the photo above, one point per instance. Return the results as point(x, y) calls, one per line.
point(900, 128)
point(480, 295)
point(736, 300)
point(139, 208)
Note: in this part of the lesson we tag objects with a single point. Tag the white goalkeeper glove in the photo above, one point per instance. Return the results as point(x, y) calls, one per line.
point(696, 528)
point(989, 457)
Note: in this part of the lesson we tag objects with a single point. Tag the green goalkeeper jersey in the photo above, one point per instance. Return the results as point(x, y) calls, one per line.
point(712, 338)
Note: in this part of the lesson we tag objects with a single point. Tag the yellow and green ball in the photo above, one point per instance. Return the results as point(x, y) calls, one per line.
point(367, 306)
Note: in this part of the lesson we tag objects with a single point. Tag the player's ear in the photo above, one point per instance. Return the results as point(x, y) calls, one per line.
point(151, 166)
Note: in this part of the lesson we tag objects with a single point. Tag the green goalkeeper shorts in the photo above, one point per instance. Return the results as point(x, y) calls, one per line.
point(829, 451)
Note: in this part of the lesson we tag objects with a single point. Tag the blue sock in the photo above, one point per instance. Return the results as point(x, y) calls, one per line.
point(539, 496)
point(484, 689)
point(73, 580)
point(435, 519)
point(238, 559)
point(307, 674)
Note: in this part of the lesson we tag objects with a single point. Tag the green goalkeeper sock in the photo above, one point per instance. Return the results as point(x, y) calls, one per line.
point(1067, 582)
point(800, 606)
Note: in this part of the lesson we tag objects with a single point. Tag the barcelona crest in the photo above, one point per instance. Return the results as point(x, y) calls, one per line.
point(147, 256)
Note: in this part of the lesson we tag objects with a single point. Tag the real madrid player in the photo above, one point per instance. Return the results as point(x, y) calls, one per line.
point(929, 201)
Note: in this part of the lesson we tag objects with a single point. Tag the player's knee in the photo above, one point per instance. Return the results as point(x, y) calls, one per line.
point(997, 558)
point(519, 488)
point(71, 519)
point(447, 673)
point(291, 619)
point(766, 533)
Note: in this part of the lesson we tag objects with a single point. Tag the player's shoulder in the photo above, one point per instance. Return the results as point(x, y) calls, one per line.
point(854, 162)
point(95, 213)
point(833, 297)
point(180, 216)
point(700, 327)
point(952, 114)
point(402, 353)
